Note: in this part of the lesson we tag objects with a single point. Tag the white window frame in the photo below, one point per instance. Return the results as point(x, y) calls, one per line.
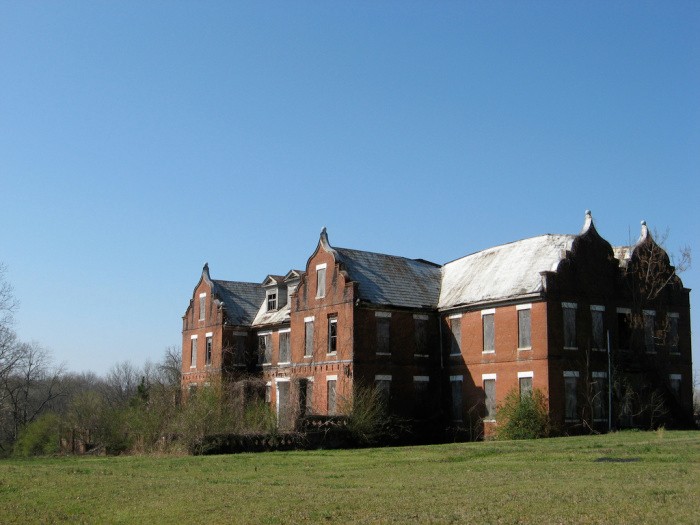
point(279, 343)
point(209, 336)
point(268, 295)
point(321, 290)
point(332, 320)
point(193, 355)
point(459, 343)
point(518, 308)
point(488, 377)
point(202, 306)
point(485, 312)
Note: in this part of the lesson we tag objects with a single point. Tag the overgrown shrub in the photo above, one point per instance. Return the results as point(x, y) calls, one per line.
point(41, 437)
point(523, 417)
point(369, 421)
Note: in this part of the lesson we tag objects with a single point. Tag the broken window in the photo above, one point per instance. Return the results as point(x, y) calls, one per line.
point(264, 348)
point(569, 310)
point(271, 301)
point(284, 347)
point(456, 391)
point(488, 332)
point(207, 354)
point(308, 338)
point(383, 335)
point(490, 398)
point(456, 327)
point(332, 334)
point(598, 328)
point(524, 328)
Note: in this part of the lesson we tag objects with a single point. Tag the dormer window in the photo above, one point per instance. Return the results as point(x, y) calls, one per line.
point(271, 301)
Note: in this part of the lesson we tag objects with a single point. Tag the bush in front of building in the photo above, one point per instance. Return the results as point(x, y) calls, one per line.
point(524, 416)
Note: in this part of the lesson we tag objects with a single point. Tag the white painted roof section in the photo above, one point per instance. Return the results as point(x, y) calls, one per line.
point(275, 316)
point(503, 272)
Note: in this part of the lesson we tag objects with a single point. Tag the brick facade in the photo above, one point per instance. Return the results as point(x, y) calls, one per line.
point(447, 343)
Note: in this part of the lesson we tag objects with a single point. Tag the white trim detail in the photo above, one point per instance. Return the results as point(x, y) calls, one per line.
point(382, 314)
point(421, 379)
point(268, 332)
point(574, 306)
point(193, 337)
point(597, 308)
point(309, 319)
point(269, 383)
point(621, 310)
point(282, 380)
point(599, 374)
point(488, 311)
point(421, 317)
point(485, 377)
point(202, 294)
point(209, 334)
point(321, 266)
point(284, 330)
point(527, 306)
point(570, 373)
point(456, 378)
point(456, 316)
point(382, 377)
point(333, 377)
point(525, 374)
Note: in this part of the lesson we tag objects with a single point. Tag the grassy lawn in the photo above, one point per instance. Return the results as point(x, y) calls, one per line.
point(559, 480)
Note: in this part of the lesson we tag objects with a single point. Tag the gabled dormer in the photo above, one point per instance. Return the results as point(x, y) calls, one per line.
point(291, 280)
point(275, 292)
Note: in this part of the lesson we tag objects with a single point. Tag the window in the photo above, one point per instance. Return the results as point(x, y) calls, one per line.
point(383, 333)
point(456, 391)
point(623, 328)
point(207, 353)
point(284, 347)
point(525, 384)
point(306, 389)
point(268, 392)
point(489, 396)
point(649, 321)
point(202, 306)
point(675, 384)
point(456, 328)
point(284, 414)
point(239, 345)
point(421, 399)
point(271, 301)
point(193, 351)
point(330, 394)
point(570, 395)
point(420, 328)
point(488, 329)
point(598, 396)
point(320, 281)
point(672, 334)
point(308, 336)
point(383, 385)
point(332, 335)
point(569, 310)
point(264, 348)
point(524, 326)
point(598, 328)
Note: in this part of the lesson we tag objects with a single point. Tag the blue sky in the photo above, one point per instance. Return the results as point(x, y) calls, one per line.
point(140, 140)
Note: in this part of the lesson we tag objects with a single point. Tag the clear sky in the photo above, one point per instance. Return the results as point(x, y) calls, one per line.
point(139, 140)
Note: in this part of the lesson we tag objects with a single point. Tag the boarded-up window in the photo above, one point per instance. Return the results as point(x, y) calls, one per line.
point(571, 397)
point(488, 331)
point(308, 338)
point(525, 385)
point(305, 397)
point(284, 347)
point(598, 329)
point(284, 412)
point(524, 328)
point(321, 282)
point(332, 334)
point(330, 397)
point(673, 334)
point(649, 322)
point(490, 398)
point(421, 335)
point(202, 306)
point(383, 335)
point(193, 353)
point(207, 355)
point(569, 325)
point(456, 326)
point(456, 391)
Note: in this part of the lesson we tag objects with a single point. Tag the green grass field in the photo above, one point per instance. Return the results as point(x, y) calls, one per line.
point(629, 477)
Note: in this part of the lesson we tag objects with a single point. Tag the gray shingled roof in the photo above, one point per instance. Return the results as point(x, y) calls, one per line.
point(504, 272)
point(391, 280)
point(242, 300)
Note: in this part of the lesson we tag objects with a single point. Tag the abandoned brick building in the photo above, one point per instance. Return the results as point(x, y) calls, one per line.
point(446, 343)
